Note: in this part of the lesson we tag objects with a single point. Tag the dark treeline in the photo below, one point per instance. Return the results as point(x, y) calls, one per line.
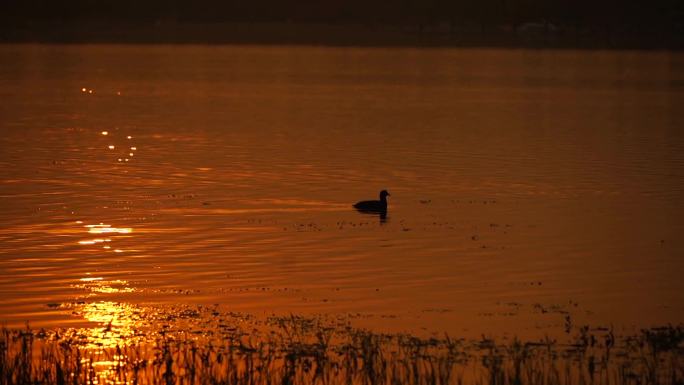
point(641, 14)
point(653, 19)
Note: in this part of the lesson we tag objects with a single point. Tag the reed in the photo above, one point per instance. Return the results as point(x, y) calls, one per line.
point(298, 350)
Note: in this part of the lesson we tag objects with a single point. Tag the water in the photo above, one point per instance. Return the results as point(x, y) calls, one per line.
point(529, 189)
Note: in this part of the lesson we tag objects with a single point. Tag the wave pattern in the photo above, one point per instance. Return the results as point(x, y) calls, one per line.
point(226, 175)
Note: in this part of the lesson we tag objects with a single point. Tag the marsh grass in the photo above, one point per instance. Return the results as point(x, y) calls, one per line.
point(302, 351)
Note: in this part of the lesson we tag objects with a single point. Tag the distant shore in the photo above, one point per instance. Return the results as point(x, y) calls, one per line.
point(525, 35)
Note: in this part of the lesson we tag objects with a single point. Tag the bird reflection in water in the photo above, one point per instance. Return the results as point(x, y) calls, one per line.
point(375, 207)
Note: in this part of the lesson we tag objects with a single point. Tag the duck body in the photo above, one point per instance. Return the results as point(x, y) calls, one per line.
point(378, 206)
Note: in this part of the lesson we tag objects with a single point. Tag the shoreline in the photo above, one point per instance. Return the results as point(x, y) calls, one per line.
point(527, 36)
point(303, 350)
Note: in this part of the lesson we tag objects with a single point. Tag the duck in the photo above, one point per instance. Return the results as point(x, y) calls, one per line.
point(379, 206)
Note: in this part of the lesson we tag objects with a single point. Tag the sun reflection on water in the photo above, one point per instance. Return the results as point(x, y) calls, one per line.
point(91, 279)
point(105, 229)
point(100, 285)
point(113, 324)
point(117, 322)
point(94, 241)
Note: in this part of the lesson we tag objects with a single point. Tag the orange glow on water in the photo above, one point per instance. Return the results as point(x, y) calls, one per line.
point(492, 171)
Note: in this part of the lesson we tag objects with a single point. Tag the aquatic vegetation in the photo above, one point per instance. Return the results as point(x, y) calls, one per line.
point(303, 350)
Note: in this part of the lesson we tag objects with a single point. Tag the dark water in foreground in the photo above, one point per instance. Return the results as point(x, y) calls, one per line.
point(531, 190)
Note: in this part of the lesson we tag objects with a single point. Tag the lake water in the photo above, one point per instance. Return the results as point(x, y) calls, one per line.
point(529, 189)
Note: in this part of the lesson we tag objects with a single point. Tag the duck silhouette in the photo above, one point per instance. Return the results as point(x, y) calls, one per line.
point(375, 207)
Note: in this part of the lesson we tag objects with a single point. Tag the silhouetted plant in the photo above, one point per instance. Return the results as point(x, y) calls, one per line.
point(303, 351)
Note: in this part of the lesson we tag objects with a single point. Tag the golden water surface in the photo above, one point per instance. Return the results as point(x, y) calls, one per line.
point(529, 189)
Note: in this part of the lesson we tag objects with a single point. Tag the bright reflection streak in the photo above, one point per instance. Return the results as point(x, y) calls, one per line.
point(100, 285)
point(105, 133)
point(91, 279)
point(111, 147)
point(104, 230)
point(118, 322)
point(94, 241)
point(107, 229)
